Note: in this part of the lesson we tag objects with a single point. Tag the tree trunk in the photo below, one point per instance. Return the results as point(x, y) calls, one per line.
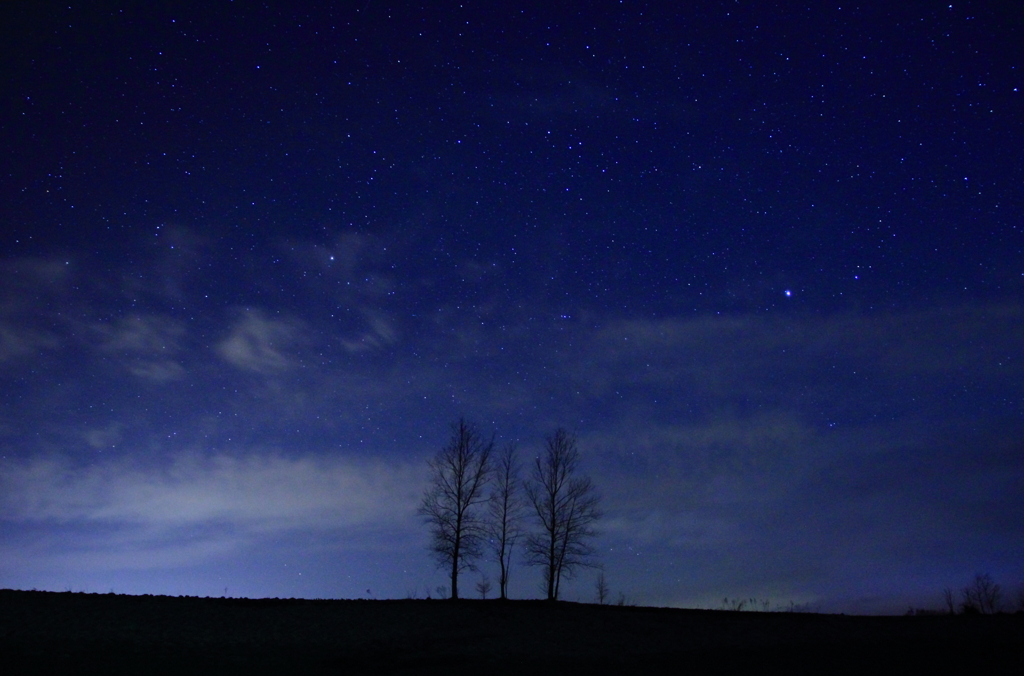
point(552, 593)
point(455, 571)
point(503, 580)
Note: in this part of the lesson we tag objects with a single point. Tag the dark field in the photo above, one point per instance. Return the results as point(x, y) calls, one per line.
point(45, 632)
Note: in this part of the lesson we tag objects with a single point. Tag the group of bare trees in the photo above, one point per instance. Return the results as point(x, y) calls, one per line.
point(477, 503)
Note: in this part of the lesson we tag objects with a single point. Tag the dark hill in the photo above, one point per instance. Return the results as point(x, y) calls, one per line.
point(45, 632)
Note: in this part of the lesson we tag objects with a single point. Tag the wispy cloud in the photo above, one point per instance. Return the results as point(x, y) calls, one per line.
point(26, 286)
point(238, 499)
point(379, 333)
point(719, 354)
point(260, 491)
point(260, 344)
point(18, 341)
point(147, 346)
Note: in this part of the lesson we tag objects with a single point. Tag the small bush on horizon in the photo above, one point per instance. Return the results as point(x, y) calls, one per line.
point(922, 612)
point(751, 604)
point(756, 605)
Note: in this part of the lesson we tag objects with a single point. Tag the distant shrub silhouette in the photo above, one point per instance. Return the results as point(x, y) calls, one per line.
point(764, 606)
point(983, 594)
point(922, 612)
point(982, 597)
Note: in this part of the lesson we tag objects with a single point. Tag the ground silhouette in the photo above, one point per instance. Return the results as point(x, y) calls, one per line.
point(48, 632)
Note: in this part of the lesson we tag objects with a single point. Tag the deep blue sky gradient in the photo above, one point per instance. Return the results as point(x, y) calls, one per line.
point(767, 260)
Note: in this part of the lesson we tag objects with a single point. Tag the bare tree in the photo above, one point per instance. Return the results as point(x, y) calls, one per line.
point(505, 513)
point(483, 587)
point(983, 595)
point(458, 476)
point(950, 599)
point(601, 588)
point(566, 509)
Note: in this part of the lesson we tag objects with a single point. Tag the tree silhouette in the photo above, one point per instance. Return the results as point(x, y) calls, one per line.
point(601, 588)
point(505, 513)
point(983, 595)
point(950, 599)
point(458, 476)
point(566, 509)
point(483, 587)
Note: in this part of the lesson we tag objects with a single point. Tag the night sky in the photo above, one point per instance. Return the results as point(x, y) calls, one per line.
point(767, 259)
